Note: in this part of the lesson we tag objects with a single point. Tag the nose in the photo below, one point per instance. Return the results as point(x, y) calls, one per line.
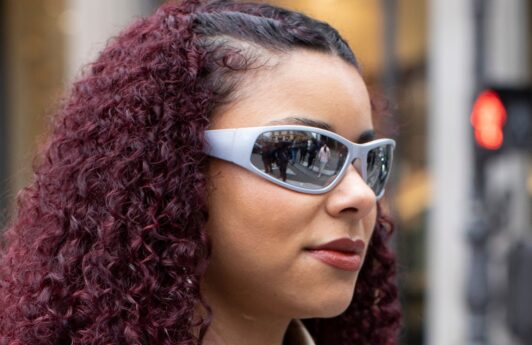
point(351, 196)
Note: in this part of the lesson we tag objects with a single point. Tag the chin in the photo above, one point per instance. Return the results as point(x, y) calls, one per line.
point(329, 305)
point(333, 310)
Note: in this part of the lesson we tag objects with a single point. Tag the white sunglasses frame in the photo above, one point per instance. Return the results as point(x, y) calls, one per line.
point(236, 145)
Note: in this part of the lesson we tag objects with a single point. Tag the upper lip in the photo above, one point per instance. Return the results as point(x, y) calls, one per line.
point(342, 245)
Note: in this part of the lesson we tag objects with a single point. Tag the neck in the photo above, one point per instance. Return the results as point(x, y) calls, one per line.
point(234, 327)
point(236, 331)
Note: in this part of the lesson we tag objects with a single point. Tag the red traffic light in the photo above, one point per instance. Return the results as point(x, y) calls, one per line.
point(488, 119)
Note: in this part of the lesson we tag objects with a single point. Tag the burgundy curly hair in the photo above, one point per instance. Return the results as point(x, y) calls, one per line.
point(108, 245)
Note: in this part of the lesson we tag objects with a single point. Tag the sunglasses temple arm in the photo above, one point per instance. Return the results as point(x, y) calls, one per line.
point(220, 143)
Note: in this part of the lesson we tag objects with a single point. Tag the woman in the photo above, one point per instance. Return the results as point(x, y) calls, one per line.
point(145, 223)
point(324, 154)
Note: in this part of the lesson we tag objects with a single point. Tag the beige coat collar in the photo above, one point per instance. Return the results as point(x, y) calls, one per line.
point(297, 334)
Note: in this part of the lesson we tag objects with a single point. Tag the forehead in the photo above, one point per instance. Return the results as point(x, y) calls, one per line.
point(304, 84)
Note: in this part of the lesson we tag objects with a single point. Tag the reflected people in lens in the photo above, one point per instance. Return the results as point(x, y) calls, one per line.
point(290, 156)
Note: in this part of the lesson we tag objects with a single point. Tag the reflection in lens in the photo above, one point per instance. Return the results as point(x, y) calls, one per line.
point(378, 167)
point(300, 158)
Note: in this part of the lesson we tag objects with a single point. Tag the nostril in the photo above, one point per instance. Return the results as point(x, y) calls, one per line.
point(350, 209)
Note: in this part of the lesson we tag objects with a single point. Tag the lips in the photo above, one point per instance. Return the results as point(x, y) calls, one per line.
point(343, 253)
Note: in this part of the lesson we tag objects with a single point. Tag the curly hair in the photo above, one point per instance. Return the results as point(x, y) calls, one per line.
point(108, 245)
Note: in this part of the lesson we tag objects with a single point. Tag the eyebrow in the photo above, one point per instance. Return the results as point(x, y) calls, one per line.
point(364, 137)
point(367, 135)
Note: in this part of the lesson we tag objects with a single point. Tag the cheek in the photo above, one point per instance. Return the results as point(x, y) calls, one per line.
point(253, 211)
point(369, 223)
point(256, 230)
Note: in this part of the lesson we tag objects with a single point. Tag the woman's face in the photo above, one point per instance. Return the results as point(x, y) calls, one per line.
point(260, 231)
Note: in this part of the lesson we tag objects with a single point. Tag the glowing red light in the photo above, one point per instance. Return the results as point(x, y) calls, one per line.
point(488, 119)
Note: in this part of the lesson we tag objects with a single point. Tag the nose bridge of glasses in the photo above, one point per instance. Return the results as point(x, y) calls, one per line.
point(354, 179)
point(357, 165)
point(356, 162)
point(355, 157)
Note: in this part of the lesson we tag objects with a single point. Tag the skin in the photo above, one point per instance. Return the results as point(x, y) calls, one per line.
point(260, 277)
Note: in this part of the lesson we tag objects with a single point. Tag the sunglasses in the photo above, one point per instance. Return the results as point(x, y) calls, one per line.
point(304, 159)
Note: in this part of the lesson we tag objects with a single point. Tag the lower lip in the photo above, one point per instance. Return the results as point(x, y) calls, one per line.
point(340, 260)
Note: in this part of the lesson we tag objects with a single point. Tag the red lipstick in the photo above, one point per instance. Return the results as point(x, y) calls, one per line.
point(343, 253)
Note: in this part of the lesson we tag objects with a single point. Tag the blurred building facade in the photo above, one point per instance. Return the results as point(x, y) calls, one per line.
point(421, 54)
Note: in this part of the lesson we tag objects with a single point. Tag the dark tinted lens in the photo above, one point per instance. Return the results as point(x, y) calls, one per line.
point(300, 158)
point(378, 165)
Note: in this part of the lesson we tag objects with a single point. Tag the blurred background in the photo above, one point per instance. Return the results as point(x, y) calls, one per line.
point(458, 76)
